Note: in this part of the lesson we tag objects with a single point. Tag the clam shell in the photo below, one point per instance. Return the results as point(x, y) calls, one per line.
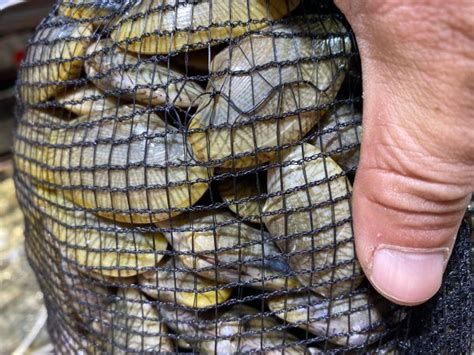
point(240, 329)
point(133, 324)
point(30, 144)
point(340, 129)
point(127, 163)
point(173, 283)
point(54, 58)
point(349, 320)
point(226, 250)
point(323, 256)
point(85, 295)
point(92, 243)
point(268, 90)
point(86, 100)
point(242, 194)
point(90, 9)
point(69, 341)
point(163, 26)
point(139, 79)
point(81, 162)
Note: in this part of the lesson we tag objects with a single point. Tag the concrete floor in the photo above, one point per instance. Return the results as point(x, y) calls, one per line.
point(23, 315)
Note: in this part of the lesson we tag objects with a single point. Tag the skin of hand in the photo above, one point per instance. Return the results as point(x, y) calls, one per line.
point(416, 172)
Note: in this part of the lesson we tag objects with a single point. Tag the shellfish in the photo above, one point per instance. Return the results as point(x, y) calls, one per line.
point(267, 91)
point(170, 25)
point(310, 213)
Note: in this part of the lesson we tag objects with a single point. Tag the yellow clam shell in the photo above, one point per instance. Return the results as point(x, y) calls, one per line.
point(267, 91)
point(170, 25)
point(30, 144)
point(242, 194)
point(350, 320)
point(112, 249)
point(340, 129)
point(82, 290)
point(52, 59)
point(240, 329)
point(134, 325)
point(86, 100)
point(127, 163)
point(173, 284)
point(83, 157)
point(226, 250)
point(322, 255)
point(139, 79)
point(90, 9)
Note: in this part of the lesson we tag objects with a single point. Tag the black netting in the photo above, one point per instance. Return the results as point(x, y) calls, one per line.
point(185, 170)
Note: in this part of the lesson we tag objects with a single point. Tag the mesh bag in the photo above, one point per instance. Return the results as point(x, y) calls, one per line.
point(185, 171)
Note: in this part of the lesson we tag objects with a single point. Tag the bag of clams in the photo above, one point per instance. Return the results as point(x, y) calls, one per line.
point(185, 170)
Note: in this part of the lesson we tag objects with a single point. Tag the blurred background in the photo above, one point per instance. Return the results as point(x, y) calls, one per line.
point(22, 312)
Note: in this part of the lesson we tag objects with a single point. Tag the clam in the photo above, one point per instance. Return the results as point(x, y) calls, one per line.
point(86, 145)
point(218, 247)
point(91, 243)
point(142, 80)
point(241, 329)
point(349, 320)
point(243, 194)
point(171, 282)
point(70, 341)
point(309, 211)
point(54, 58)
point(86, 100)
point(268, 91)
point(340, 136)
point(163, 26)
point(126, 163)
point(132, 325)
point(86, 296)
point(31, 144)
point(99, 11)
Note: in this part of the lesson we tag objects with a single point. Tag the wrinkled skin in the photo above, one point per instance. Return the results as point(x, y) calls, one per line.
point(416, 170)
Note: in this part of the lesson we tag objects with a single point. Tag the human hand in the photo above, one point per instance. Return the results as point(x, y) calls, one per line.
point(416, 172)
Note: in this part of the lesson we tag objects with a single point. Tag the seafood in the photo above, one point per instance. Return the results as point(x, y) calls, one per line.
point(97, 244)
point(268, 91)
point(172, 283)
point(123, 159)
point(134, 325)
point(341, 128)
point(242, 194)
point(55, 57)
point(312, 218)
point(227, 251)
point(86, 100)
point(138, 79)
point(238, 330)
point(347, 320)
point(171, 25)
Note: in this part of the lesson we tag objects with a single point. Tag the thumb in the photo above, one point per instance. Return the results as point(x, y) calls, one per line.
point(416, 172)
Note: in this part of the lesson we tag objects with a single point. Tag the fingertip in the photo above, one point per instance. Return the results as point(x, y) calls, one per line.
point(408, 276)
